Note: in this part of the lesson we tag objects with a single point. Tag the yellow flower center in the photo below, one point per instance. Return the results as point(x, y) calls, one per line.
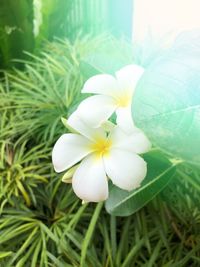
point(101, 146)
point(124, 99)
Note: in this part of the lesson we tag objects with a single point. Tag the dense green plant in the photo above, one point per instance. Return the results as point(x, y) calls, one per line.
point(46, 90)
point(42, 222)
point(16, 35)
point(22, 170)
point(51, 232)
point(25, 24)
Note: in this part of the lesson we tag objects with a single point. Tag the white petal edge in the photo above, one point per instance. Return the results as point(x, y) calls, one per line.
point(129, 76)
point(95, 110)
point(124, 119)
point(136, 142)
point(76, 123)
point(125, 169)
point(89, 181)
point(68, 150)
point(103, 84)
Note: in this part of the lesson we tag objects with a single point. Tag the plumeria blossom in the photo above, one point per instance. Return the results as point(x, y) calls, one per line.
point(99, 155)
point(113, 94)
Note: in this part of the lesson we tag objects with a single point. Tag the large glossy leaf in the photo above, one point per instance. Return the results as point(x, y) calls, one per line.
point(111, 57)
point(166, 104)
point(160, 171)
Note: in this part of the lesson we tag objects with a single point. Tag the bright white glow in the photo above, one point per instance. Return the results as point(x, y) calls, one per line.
point(164, 18)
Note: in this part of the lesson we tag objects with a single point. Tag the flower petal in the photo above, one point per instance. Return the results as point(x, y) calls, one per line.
point(124, 119)
point(125, 169)
point(128, 76)
point(68, 150)
point(76, 123)
point(103, 84)
point(95, 110)
point(89, 181)
point(136, 142)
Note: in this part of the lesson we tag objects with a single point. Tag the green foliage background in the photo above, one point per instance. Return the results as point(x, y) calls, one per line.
point(26, 24)
point(16, 33)
point(42, 222)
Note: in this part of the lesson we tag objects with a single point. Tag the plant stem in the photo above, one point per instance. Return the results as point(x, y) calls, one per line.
point(89, 233)
point(113, 235)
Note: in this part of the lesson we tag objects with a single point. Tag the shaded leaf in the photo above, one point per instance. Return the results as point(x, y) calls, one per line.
point(160, 172)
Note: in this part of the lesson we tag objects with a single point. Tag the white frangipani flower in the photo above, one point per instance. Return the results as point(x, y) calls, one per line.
point(101, 155)
point(113, 94)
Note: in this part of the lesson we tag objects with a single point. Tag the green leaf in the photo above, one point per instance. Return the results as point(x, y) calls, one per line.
point(160, 171)
point(104, 62)
point(4, 254)
point(166, 104)
point(110, 57)
point(65, 123)
point(16, 31)
point(67, 177)
point(56, 261)
point(89, 233)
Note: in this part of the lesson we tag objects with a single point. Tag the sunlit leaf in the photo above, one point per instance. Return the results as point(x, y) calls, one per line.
point(5, 254)
point(166, 104)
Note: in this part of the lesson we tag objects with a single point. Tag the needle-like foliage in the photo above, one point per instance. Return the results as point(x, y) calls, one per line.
point(42, 223)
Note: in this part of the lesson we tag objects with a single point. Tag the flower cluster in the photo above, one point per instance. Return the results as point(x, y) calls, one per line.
point(98, 149)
